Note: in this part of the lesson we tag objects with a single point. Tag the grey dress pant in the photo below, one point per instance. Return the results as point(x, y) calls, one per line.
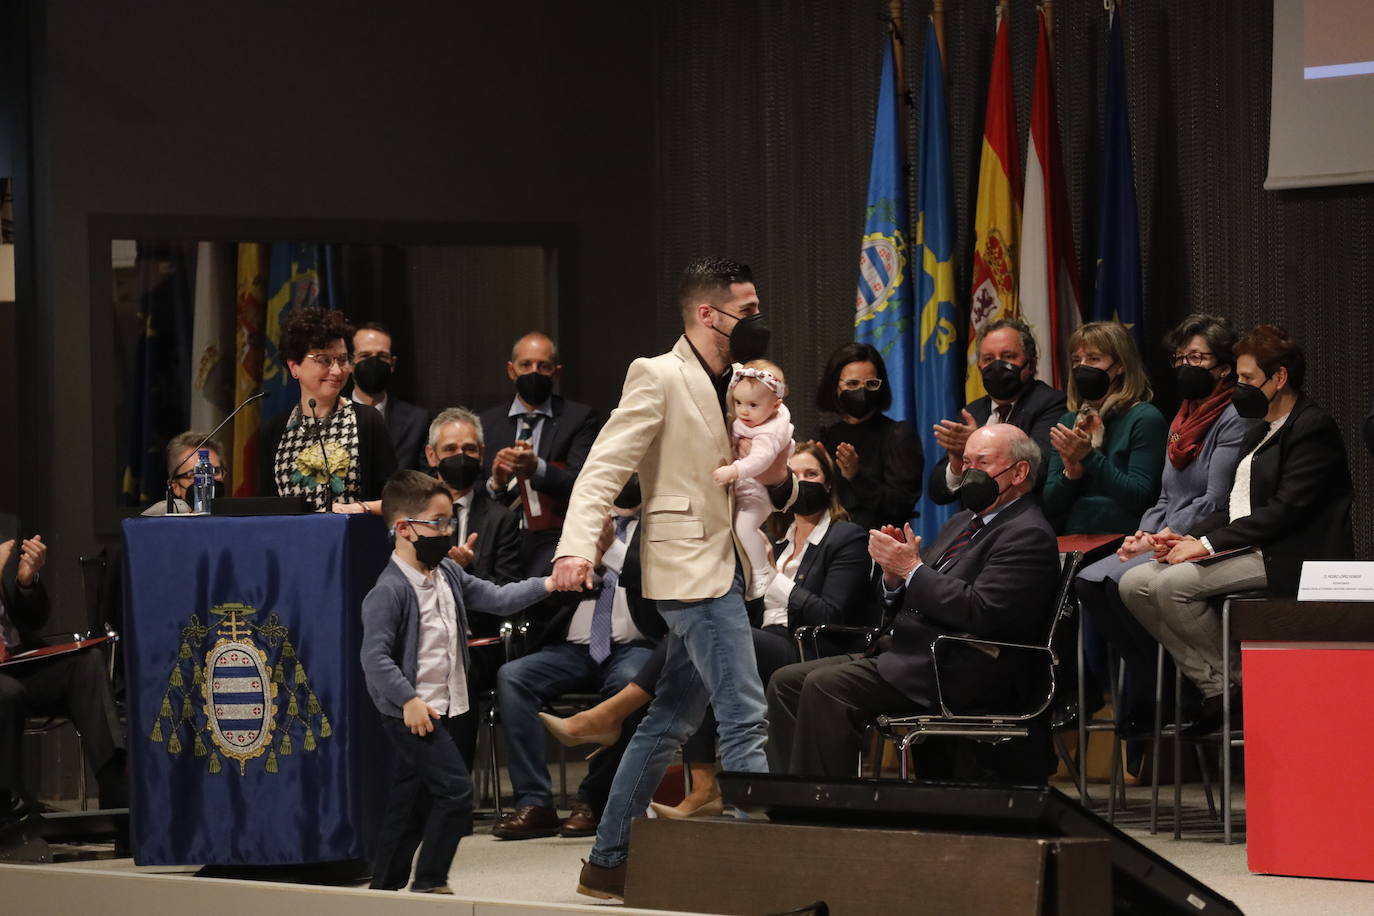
point(1171, 602)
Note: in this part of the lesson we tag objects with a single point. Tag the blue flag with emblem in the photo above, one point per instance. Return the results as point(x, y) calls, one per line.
point(939, 373)
point(1118, 294)
point(293, 280)
point(883, 308)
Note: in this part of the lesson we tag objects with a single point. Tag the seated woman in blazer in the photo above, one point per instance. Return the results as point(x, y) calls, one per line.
point(824, 576)
point(1290, 503)
point(1203, 450)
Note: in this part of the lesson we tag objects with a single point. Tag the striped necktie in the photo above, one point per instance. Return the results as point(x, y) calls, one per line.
point(605, 604)
point(948, 558)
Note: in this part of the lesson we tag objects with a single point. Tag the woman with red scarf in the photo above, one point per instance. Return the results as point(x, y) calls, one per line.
point(1203, 451)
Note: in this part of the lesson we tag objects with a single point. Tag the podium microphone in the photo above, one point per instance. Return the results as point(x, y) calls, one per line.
point(171, 505)
point(328, 490)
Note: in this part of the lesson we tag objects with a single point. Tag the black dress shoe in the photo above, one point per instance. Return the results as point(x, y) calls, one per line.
point(1212, 714)
point(528, 822)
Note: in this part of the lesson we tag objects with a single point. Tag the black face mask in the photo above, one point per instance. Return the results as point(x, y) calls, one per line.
point(534, 388)
point(372, 375)
point(1250, 400)
point(1092, 383)
point(430, 551)
point(1002, 379)
point(812, 497)
point(1194, 382)
point(460, 471)
point(979, 489)
point(749, 339)
point(630, 495)
point(858, 402)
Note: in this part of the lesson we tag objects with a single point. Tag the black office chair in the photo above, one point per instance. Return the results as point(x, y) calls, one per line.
point(906, 731)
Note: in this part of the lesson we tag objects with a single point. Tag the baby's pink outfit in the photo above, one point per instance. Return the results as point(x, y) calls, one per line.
point(752, 506)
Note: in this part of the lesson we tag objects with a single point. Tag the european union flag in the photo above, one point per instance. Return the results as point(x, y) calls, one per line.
point(293, 280)
point(159, 394)
point(1118, 294)
point(883, 309)
point(938, 370)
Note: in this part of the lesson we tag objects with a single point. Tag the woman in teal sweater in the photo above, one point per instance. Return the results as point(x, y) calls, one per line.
point(1108, 451)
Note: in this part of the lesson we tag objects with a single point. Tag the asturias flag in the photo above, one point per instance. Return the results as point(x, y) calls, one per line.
point(251, 314)
point(937, 373)
point(1049, 272)
point(997, 216)
point(1118, 227)
point(883, 315)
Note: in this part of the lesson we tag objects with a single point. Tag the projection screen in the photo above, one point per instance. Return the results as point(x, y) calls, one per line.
point(1321, 127)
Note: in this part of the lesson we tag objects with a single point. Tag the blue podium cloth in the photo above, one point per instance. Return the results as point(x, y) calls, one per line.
point(251, 736)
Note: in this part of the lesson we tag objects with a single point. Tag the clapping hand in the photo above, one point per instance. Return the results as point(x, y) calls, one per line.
point(1073, 445)
point(33, 553)
point(951, 436)
point(897, 553)
point(848, 460)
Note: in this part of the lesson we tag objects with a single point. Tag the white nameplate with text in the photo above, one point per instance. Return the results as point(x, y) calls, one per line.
point(1336, 580)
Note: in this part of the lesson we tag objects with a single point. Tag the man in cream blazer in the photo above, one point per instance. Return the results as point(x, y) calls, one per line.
point(670, 425)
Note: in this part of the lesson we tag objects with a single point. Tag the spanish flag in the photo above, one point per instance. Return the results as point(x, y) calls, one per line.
point(997, 216)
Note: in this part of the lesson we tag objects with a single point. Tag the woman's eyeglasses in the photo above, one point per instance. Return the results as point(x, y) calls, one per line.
point(854, 384)
point(325, 360)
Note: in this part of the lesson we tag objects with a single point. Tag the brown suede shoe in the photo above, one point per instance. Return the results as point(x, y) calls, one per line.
point(581, 822)
point(602, 883)
point(527, 822)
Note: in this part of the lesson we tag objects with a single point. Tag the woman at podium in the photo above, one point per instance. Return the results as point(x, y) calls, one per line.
point(333, 451)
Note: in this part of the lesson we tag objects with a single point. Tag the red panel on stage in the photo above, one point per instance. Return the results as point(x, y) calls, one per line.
point(1309, 740)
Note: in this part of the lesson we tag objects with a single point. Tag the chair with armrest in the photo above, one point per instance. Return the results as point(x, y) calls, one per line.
point(906, 731)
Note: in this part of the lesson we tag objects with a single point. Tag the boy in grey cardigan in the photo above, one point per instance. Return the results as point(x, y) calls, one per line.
point(415, 659)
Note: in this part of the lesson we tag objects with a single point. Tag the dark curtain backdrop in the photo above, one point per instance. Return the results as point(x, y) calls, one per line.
point(765, 121)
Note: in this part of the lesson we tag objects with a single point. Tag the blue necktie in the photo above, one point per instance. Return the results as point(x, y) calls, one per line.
point(605, 602)
point(524, 430)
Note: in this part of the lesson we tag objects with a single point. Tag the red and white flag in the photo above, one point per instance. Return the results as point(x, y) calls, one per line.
point(1049, 274)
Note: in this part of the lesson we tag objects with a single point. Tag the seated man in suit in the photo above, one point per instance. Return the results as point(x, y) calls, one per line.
point(181, 467)
point(991, 575)
point(486, 544)
point(539, 438)
point(374, 362)
point(596, 642)
point(1007, 360)
point(75, 685)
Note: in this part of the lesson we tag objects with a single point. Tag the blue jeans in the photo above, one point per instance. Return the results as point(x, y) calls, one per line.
point(525, 685)
point(710, 658)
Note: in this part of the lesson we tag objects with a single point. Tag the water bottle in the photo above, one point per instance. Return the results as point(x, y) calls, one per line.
point(202, 484)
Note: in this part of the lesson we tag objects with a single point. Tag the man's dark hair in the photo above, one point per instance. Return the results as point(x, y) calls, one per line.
point(1015, 324)
point(372, 326)
point(1217, 331)
point(310, 328)
point(710, 278)
point(1272, 347)
point(827, 396)
point(408, 493)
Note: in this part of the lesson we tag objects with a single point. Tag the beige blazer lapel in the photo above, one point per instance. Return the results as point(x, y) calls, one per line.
point(704, 395)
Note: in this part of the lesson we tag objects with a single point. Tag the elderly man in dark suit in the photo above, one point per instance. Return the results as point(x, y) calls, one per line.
point(539, 442)
point(991, 574)
point(1007, 360)
point(75, 685)
point(486, 544)
point(374, 362)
